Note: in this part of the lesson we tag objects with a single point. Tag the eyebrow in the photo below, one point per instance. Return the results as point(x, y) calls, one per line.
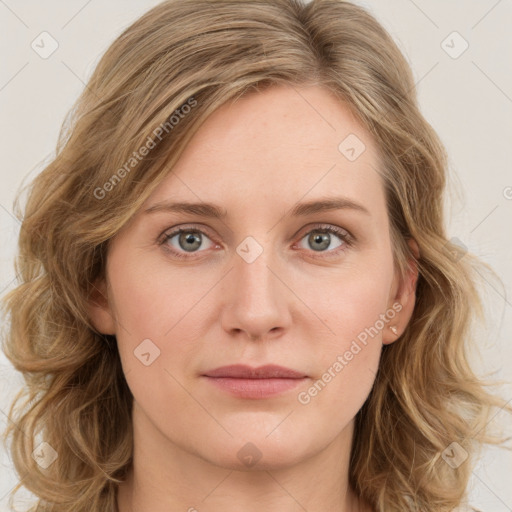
point(302, 209)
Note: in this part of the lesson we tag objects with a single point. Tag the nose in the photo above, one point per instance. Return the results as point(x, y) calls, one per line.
point(255, 305)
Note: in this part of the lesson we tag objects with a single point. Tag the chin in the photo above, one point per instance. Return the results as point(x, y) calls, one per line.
point(258, 452)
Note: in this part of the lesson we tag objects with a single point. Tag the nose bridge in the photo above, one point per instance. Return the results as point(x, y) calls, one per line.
point(252, 262)
point(255, 300)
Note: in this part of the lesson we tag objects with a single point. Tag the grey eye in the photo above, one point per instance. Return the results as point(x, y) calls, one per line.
point(188, 240)
point(318, 240)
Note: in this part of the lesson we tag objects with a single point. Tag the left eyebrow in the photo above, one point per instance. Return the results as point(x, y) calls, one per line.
point(327, 204)
point(302, 209)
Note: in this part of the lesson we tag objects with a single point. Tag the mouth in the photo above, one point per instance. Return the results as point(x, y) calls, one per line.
point(255, 383)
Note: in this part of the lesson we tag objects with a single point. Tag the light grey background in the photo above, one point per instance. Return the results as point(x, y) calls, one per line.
point(467, 99)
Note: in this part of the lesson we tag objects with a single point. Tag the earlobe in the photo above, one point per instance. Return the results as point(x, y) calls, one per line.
point(99, 309)
point(405, 297)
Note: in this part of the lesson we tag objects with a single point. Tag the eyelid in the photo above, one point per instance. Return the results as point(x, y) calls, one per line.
point(170, 232)
point(325, 226)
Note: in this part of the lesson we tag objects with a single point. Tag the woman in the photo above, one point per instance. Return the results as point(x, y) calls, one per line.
point(251, 370)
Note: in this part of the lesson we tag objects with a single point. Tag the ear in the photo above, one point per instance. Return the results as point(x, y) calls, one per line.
point(404, 299)
point(99, 309)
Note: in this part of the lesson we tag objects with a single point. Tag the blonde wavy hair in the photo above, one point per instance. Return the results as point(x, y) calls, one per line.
point(425, 396)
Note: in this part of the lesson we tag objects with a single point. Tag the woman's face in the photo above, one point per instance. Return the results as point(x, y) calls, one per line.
point(263, 284)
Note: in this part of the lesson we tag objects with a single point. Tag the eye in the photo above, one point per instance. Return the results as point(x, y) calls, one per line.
point(320, 238)
point(187, 240)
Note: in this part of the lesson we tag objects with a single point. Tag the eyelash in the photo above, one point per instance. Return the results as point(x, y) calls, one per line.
point(345, 236)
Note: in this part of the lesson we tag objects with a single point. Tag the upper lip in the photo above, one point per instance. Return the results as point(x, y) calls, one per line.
point(269, 371)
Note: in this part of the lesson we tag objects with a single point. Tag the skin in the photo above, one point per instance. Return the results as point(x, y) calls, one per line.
point(293, 306)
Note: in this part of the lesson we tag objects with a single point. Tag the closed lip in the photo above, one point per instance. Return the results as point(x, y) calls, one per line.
point(269, 371)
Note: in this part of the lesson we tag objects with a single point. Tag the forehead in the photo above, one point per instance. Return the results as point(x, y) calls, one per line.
point(277, 147)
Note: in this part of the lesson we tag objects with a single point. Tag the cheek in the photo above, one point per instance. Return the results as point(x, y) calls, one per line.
point(355, 308)
point(151, 300)
point(354, 305)
point(162, 316)
point(153, 308)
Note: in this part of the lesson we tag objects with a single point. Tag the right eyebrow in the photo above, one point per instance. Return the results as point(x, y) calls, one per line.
point(200, 209)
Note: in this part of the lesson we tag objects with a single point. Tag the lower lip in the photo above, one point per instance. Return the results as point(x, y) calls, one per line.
point(255, 388)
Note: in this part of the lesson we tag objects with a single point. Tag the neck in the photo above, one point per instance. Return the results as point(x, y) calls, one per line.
point(165, 477)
